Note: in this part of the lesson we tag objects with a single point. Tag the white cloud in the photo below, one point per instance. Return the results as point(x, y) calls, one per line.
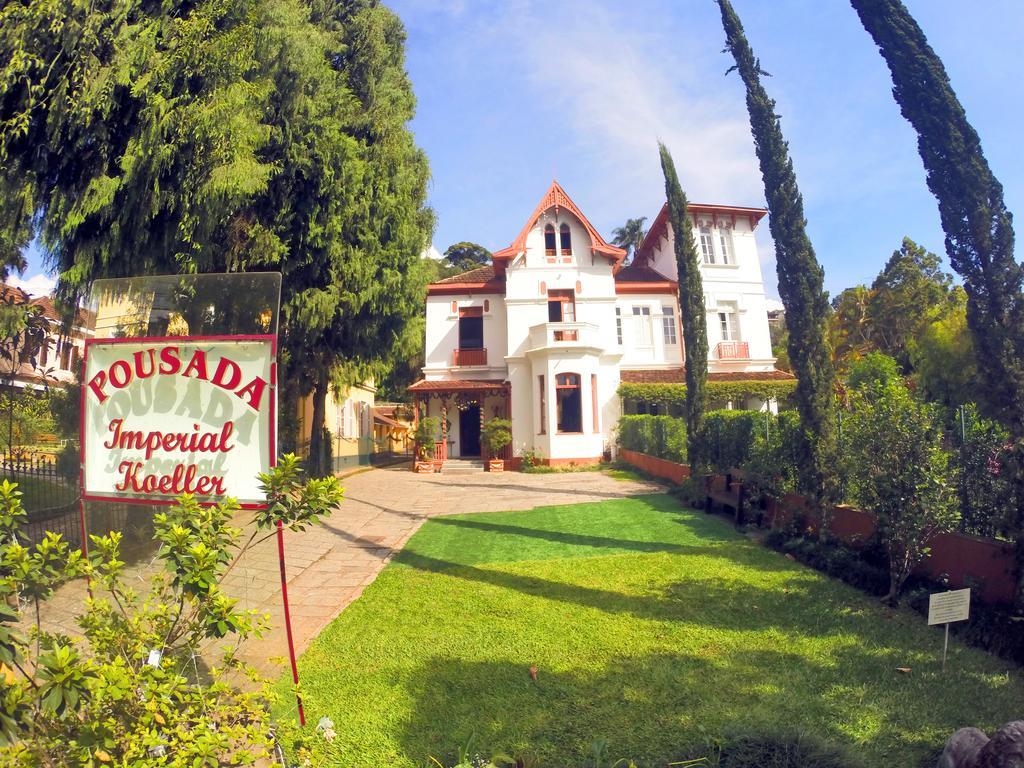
point(620, 84)
point(35, 286)
point(773, 305)
point(432, 253)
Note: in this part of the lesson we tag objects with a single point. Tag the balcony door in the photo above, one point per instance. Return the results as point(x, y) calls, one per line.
point(562, 309)
point(471, 328)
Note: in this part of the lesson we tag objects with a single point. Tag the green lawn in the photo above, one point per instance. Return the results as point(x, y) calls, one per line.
point(652, 627)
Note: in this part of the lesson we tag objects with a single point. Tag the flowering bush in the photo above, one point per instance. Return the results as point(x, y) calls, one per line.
point(131, 690)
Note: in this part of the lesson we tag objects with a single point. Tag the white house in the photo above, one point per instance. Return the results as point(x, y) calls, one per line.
point(545, 336)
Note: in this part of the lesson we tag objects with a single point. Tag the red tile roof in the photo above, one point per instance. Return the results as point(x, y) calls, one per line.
point(659, 227)
point(678, 376)
point(640, 273)
point(478, 275)
point(458, 385)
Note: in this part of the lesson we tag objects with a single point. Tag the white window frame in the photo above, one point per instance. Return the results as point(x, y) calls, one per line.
point(642, 331)
point(707, 243)
point(728, 324)
point(668, 325)
point(726, 243)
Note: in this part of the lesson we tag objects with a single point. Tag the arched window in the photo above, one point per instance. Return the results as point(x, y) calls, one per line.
point(565, 242)
point(569, 401)
point(549, 242)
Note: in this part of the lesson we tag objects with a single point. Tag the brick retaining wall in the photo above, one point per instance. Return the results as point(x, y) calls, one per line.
point(986, 565)
point(667, 470)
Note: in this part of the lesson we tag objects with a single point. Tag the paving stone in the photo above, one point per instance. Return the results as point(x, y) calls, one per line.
point(329, 566)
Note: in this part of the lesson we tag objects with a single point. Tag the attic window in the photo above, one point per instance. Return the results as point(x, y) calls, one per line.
point(565, 241)
point(549, 243)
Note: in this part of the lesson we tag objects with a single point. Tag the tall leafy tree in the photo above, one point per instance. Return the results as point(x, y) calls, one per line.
point(978, 227)
point(909, 291)
point(942, 355)
point(225, 135)
point(691, 308)
point(630, 235)
point(801, 278)
point(351, 301)
point(465, 256)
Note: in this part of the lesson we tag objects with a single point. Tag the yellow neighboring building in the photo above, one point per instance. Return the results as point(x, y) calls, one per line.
point(348, 416)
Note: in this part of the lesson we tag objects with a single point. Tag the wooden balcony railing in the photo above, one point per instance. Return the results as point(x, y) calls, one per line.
point(733, 350)
point(469, 357)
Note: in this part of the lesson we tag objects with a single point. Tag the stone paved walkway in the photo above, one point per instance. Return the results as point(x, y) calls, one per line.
point(329, 565)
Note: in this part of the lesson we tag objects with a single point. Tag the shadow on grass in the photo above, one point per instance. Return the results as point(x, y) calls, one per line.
point(574, 539)
point(655, 709)
point(708, 602)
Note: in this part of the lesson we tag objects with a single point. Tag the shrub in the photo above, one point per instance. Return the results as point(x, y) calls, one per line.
point(130, 691)
point(496, 434)
point(661, 436)
point(901, 471)
point(426, 435)
point(987, 505)
point(773, 460)
point(730, 436)
point(873, 370)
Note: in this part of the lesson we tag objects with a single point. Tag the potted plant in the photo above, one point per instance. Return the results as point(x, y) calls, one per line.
point(424, 438)
point(495, 435)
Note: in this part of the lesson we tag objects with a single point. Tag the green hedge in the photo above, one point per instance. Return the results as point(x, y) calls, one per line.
point(763, 444)
point(736, 391)
point(660, 436)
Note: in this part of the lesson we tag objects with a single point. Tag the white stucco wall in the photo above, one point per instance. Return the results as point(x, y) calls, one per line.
point(738, 286)
point(521, 355)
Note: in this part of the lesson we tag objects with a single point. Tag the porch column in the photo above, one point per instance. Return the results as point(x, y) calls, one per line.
point(482, 396)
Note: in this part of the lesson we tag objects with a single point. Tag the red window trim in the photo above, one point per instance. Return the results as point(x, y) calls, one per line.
point(559, 378)
point(543, 406)
point(565, 239)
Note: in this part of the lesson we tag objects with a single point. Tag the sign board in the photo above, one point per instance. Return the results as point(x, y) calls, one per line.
point(163, 416)
point(946, 607)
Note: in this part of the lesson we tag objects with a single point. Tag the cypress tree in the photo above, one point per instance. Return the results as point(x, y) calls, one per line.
point(691, 309)
point(801, 278)
point(979, 229)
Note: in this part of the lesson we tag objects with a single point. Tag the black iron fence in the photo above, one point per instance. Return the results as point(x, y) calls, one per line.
point(50, 498)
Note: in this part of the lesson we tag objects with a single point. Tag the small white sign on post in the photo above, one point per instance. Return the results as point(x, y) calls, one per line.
point(947, 607)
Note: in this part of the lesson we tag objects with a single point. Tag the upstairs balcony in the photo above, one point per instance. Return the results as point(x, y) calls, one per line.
point(470, 357)
point(733, 350)
point(558, 335)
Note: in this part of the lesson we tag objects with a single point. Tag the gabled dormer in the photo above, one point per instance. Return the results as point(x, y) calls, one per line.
point(557, 234)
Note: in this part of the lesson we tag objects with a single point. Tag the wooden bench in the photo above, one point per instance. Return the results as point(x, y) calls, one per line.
point(733, 496)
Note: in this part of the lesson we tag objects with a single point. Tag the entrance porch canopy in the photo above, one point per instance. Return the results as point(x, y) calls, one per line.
point(452, 390)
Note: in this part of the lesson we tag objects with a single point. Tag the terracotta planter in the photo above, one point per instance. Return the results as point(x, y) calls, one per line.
point(437, 463)
point(496, 465)
point(424, 467)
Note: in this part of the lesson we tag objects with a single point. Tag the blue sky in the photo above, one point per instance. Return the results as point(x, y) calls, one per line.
point(514, 93)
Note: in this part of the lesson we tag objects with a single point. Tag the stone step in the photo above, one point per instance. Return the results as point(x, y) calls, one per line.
point(462, 466)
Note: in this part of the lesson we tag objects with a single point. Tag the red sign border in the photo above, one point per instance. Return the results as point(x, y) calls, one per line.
point(270, 338)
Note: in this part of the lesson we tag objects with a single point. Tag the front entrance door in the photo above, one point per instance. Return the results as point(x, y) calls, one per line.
point(469, 431)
